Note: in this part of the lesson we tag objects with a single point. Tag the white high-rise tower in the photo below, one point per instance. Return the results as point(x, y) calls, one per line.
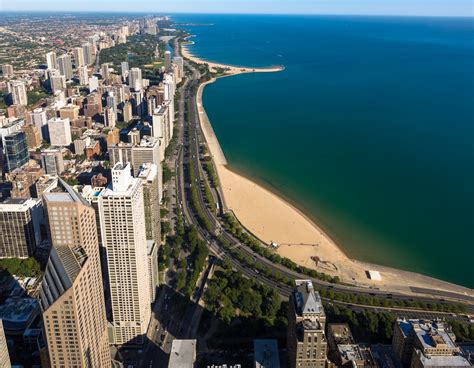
point(122, 223)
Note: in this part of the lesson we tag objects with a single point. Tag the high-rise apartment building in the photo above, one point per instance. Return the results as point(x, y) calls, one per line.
point(18, 90)
point(15, 149)
point(59, 132)
point(88, 50)
point(125, 69)
point(57, 83)
point(135, 80)
point(71, 293)
point(65, 66)
point(52, 161)
point(127, 112)
point(167, 61)
point(104, 70)
point(123, 234)
point(33, 136)
point(83, 75)
point(40, 120)
point(306, 341)
point(20, 221)
point(110, 117)
point(147, 151)
point(78, 53)
point(51, 60)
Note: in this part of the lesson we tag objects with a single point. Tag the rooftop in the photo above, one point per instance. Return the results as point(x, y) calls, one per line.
point(444, 361)
point(306, 299)
point(18, 204)
point(183, 354)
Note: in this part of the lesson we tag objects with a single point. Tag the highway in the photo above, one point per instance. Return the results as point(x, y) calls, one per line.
point(190, 152)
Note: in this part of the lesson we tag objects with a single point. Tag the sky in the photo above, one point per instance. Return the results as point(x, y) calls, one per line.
point(360, 7)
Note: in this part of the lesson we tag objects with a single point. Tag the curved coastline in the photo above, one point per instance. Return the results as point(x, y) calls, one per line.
point(271, 217)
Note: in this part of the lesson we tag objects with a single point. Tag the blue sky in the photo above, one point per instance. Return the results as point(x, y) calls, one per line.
point(385, 7)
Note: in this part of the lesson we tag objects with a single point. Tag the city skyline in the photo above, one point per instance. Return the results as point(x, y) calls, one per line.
point(339, 7)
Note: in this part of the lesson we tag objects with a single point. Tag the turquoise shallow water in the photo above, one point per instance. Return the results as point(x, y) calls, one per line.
point(369, 130)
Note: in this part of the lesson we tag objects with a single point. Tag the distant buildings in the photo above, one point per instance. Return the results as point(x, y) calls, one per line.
point(40, 120)
point(423, 344)
point(52, 161)
point(123, 234)
point(20, 221)
point(51, 60)
point(78, 53)
point(135, 80)
point(125, 70)
point(18, 91)
point(71, 292)
point(83, 75)
point(59, 132)
point(65, 66)
point(147, 151)
point(306, 341)
point(167, 61)
point(88, 50)
point(7, 70)
point(183, 354)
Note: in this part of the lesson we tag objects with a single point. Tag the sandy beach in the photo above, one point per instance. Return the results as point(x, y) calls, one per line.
point(272, 219)
point(229, 69)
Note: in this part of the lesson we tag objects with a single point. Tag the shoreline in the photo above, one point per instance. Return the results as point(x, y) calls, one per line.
point(271, 217)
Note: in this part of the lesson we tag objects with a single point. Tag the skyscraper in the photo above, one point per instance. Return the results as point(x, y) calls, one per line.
point(167, 61)
point(88, 50)
point(65, 66)
point(52, 161)
point(15, 148)
point(59, 132)
point(135, 79)
point(123, 234)
point(83, 75)
point(71, 293)
point(78, 53)
point(18, 91)
point(307, 345)
point(125, 70)
point(58, 83)
point(20, 221)
point(104, 70)
point(40, 120)
point(51, 60)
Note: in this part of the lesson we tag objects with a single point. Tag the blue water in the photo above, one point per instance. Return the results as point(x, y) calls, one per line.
point(369, 129)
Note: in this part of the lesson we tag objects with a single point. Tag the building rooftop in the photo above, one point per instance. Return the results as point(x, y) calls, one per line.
point(266, 354)
point(17, 313)
point(430, 334)
point(341, 333)
point(183, 354)
point(444, 361)
point(355, 353)
point(307, 301)
point(18, 204)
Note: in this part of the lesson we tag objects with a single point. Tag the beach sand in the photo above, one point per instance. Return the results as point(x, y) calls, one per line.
point(272, 219)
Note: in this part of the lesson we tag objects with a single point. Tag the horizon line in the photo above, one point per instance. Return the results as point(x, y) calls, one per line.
point(157, 12)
